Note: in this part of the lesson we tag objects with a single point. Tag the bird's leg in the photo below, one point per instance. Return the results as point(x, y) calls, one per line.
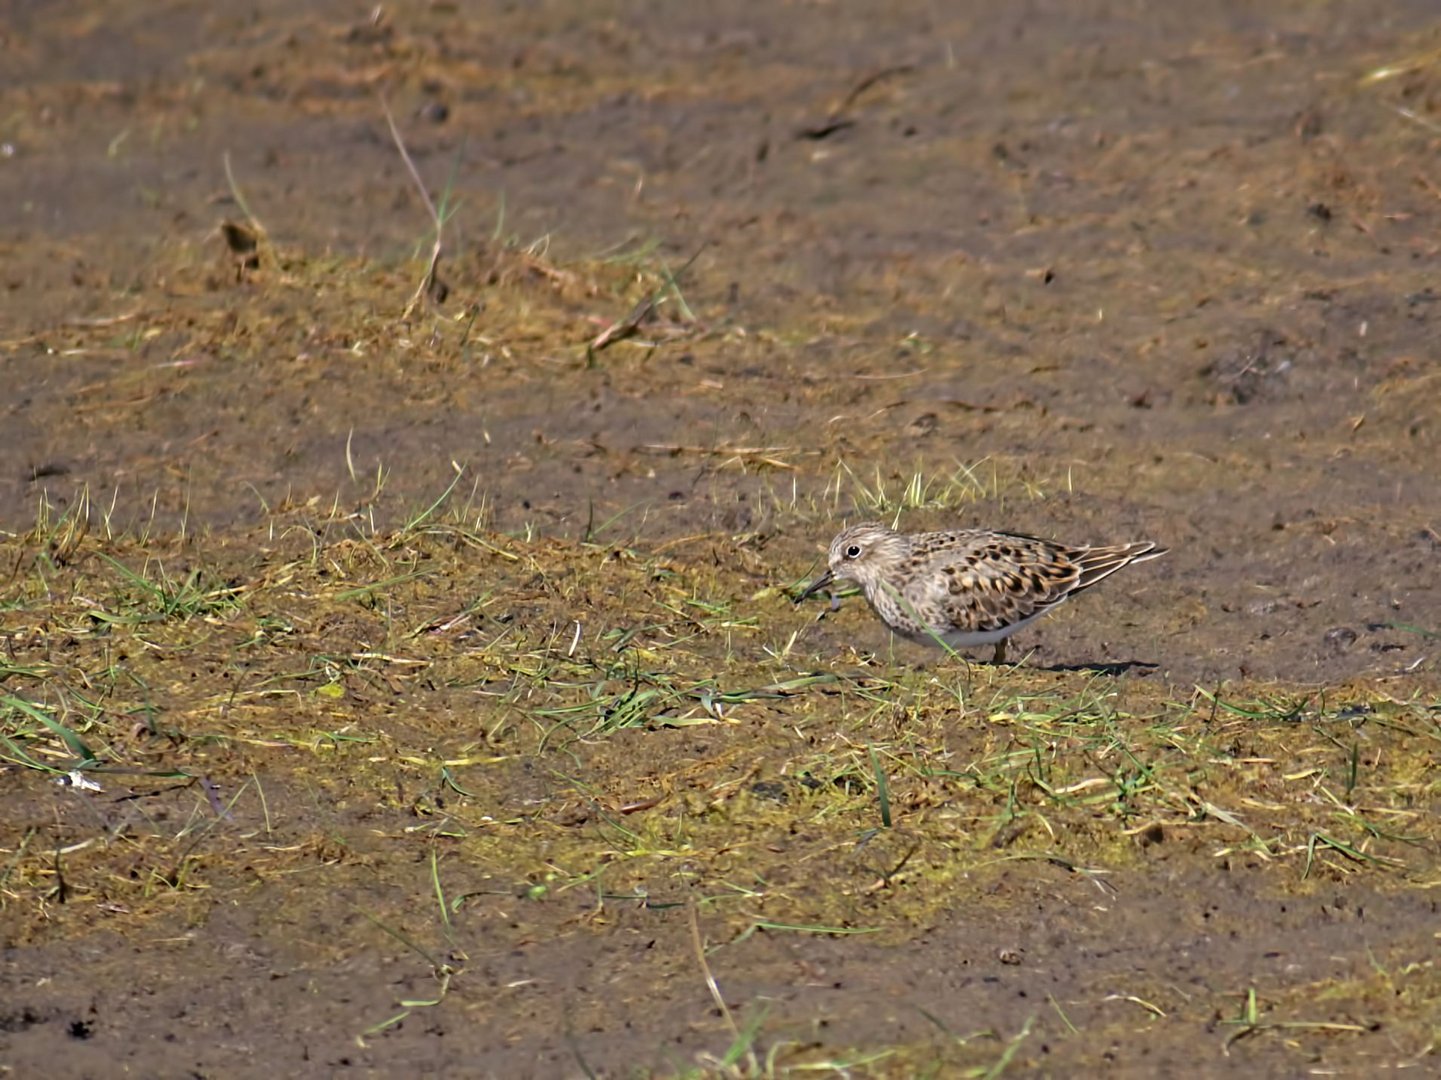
point(1000, 657)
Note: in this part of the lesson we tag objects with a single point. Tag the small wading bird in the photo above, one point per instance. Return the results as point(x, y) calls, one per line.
point(967, 587)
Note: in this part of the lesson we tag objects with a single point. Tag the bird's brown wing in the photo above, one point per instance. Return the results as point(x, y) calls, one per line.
point(1002, 579)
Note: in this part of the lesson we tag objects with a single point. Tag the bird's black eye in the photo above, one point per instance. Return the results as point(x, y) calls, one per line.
point(853, 552)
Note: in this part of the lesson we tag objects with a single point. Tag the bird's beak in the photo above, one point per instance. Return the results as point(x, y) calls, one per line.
point(822, 582)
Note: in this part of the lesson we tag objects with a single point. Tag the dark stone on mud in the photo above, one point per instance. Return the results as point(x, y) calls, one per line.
point(1340, 637)
point(770, 789)
point(1257, 370)
point(923, 425)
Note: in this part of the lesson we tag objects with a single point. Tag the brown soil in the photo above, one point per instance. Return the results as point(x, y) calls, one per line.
point(531, 766)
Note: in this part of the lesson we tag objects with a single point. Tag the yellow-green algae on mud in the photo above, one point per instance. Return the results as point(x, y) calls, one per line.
point(442, 740)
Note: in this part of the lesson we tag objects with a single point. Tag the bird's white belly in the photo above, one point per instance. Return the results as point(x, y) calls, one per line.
point(966, 639)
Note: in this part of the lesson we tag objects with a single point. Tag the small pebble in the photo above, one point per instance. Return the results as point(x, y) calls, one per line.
point(1340, 637)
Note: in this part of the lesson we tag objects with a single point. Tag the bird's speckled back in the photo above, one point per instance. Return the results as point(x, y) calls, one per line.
point(962, 583)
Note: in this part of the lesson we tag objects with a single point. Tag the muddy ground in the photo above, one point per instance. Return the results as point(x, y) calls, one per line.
point(439, 672)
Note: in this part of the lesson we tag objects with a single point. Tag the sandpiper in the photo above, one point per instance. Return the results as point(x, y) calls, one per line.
point(967, 587)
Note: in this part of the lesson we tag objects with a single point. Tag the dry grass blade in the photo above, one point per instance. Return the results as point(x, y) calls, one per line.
point(430, 285)
point(631, 324)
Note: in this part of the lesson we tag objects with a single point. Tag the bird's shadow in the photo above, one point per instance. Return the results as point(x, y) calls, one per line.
point(1120, 667)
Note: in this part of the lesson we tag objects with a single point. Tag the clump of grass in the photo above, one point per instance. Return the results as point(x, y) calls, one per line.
point(896, 493)
point(890, 493)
